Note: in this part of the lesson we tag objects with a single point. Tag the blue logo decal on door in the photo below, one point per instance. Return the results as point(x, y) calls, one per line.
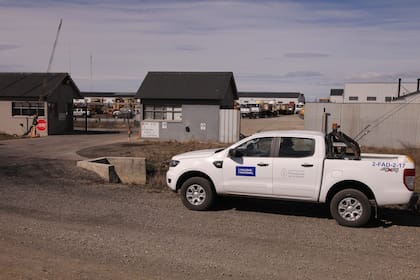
point(245, 171)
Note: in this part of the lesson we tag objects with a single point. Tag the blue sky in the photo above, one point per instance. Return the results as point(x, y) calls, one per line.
point(306, 46)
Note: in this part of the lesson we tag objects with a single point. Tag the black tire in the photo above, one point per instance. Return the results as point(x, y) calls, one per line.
point(351, 208)
point(197, 194)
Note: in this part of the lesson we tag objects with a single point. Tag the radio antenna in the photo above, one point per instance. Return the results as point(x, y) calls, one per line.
point(54, 46)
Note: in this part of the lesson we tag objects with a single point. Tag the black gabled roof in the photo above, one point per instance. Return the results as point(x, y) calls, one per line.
point(33, 85)
point(187, 86)
point(337, 92)
point(106, 94)
point(269, 94)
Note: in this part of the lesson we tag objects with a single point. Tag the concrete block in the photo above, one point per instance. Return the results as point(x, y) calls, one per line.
point(127, 170)
point(130, 170)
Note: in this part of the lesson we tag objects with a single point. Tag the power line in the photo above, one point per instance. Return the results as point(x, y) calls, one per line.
point(367, 129)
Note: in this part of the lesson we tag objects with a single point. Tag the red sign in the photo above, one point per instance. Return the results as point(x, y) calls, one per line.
point(42, 125)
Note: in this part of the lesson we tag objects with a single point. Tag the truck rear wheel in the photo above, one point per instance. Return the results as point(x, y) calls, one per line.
point(197, 194)
point(350, 208)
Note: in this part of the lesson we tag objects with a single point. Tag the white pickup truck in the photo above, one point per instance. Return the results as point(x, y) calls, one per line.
point(297, 165)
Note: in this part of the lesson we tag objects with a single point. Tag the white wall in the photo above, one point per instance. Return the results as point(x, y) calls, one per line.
point(17, 124)
point(391, 125)
point(337, 99)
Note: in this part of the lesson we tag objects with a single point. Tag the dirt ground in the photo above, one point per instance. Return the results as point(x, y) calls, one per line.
point(250, 126)
point(5, 137)
point(61, 222)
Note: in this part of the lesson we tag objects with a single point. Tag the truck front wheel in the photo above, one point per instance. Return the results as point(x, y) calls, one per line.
point(351, 208)
point(197, 194)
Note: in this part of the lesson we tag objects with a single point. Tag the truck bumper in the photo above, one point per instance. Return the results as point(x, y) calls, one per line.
point(171, 180)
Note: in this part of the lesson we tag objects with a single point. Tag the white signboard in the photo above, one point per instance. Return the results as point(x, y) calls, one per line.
point(149, 129)
point(203, 126)
point(164, 125)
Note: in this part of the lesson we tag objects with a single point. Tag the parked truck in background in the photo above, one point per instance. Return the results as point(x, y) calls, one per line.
point(255, 110)
point(250, 110)
point(299, 107)
point(245, 111)
point(287, 108)
point(267, 109)
point(297, 165)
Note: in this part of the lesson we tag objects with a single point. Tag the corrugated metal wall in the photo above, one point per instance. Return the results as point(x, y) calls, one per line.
point(229, 127)
point(379, 125)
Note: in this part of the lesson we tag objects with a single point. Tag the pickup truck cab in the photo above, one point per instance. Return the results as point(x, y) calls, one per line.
point(296, 165)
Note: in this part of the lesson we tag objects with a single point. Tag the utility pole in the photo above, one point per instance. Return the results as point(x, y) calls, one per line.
point(91, 71)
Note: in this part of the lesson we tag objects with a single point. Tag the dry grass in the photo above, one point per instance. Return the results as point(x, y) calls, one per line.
point(157, 154)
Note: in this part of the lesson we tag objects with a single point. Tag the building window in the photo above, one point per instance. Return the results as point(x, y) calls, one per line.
point(163, 112)
point(353, 98)
point(388, 99)
point(28, 108)
point(371, 98)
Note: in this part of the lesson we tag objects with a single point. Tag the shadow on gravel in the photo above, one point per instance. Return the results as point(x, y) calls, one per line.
point(387, 217)
point(95, 132)
point(281, 207)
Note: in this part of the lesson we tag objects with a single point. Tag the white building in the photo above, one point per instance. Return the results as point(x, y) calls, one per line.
point(377, 93)
point(337, 95)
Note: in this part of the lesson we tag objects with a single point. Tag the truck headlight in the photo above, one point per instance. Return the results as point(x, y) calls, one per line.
point(173, 163)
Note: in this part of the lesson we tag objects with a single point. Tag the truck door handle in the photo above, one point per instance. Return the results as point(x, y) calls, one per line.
point(307, 165)
point(262, 164)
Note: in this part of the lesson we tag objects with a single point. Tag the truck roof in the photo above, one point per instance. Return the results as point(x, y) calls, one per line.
point(302, 133)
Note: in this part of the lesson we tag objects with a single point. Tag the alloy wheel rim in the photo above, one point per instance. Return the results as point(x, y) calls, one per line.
point(195, 194)
point(350, 209)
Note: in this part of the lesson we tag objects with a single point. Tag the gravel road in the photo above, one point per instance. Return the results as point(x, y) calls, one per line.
point(61, 222)
point(250, 126)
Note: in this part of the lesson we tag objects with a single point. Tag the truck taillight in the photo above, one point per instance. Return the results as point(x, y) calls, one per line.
point(410, 178)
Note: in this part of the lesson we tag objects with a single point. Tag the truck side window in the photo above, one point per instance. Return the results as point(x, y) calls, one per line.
point(260, 147)
point(296, 147)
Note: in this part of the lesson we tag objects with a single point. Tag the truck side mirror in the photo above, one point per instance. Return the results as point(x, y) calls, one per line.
point(234, 153)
